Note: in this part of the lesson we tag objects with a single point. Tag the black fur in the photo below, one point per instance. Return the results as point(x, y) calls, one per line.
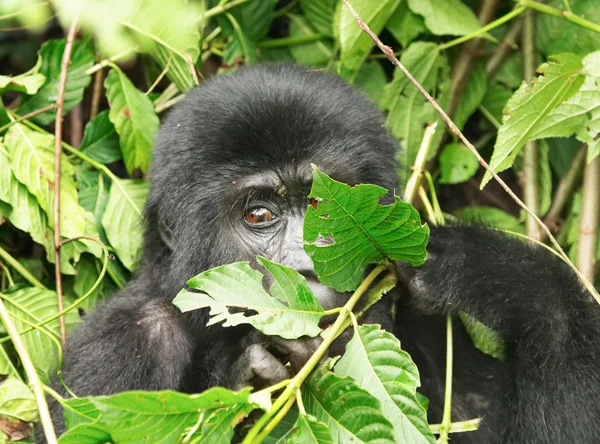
point(265, 126)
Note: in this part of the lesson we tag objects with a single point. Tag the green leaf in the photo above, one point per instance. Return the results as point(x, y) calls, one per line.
point(495, 100)
point(554, 35)
point(472, 96)
point(319, 13)
point(457, 164)
point(51, 52)
point(484, 338)
point(255, 18)
point(17, 401)
point(408, 110)
point(363, 231)
point(404, 25)
point(133, 116)
point(375, 360)
point(530, 105)
point(308, 430)
point(491, 216)
point(240, 47)
point(355, 45)
point(579, 114)
point(290, 311)
point(316, 53)
point(122, 219)
point(372, 79)
point(29, 82)
point(100, 140)
point(218, 425)
point(34, 305)
point(85, 434)
point(351, 413)
point(448, 17)
point(284, 429)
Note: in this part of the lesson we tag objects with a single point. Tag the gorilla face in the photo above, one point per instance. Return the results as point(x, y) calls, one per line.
point(236, 164)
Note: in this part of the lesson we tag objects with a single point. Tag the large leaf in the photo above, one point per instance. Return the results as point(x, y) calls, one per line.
point(51, 52)
point(100, 140)
point(355, 45)
point(376, 362)
point(579, 114)
point(530, 105)
point(363, 231)
point(122, 219)
point(133, 116)
point(448, 17)
point(290, 311)
point(34, 305)
point(351, 413)
point(408, 110)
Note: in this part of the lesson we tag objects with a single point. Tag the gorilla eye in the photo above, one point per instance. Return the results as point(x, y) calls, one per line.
point(259, 216)
point(314, 202)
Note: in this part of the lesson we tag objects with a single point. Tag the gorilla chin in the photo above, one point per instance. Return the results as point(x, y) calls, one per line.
point(229, 181)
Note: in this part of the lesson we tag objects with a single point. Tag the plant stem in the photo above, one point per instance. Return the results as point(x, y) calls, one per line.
point(458, 427)
point(567, 15)
point(34, 381)
point(328, 337)
point(588, 226)
point(28, 116)
point(106, 62)
point(21, 269)
point(447, 416)
point(415, 177)
point(220, 9)
point(278, 417)
point(168, 104)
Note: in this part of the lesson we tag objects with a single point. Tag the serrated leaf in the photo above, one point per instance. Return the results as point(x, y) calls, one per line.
point(457, 164)
point(374, 359)
point(484, 338)
point(448, 17)
point(530, 105)
point(315, 53)
point(404, 25)
point(34, 305)
point(408, 110)
point(290, 311)
point(29, 82)
point(363, 231)
point(122, 219)
point(100, 140)
point(319, 13)
point(17, 400)
point(308, 430)
point(351, 413)
point(132, 113)
point(51, 52)
point(355, 45)
point(579, 114)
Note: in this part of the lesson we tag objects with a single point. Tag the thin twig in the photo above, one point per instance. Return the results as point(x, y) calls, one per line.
point(168, 104)
point(394, 60)
point(530, 151)
point(415, 178)
point(60, 102)
point(447, 415)
point(162, 74)
point(564, 189)
point(34, 380)
point(28, 116)
point(588, 226)
point(96, 93)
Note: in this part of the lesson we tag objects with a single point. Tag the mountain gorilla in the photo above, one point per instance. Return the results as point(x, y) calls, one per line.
point(229, 181)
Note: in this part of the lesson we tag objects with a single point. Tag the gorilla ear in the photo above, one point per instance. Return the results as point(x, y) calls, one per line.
point(166, 232)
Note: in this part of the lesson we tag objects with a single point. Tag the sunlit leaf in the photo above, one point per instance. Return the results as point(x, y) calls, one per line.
point(17, 400)
point(448, 17)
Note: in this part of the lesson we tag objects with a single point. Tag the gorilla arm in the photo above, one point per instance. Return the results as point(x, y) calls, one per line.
point(538, 306)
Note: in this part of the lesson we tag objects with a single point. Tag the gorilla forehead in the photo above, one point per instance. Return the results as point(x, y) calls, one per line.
point(272, 117)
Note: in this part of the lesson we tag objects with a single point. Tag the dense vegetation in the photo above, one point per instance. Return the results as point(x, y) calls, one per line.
point(520, 79)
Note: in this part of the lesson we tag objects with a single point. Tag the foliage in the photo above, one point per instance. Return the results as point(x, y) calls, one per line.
point(147, 54)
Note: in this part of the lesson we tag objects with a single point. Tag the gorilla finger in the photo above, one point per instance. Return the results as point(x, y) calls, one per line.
point(298, 351)
point(257, 363)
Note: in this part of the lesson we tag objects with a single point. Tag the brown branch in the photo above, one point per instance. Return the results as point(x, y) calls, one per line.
point(28, 116)
point(388, 51)
point(76, 124)
point(588, 225)
point(60, 102)
point(96, 94)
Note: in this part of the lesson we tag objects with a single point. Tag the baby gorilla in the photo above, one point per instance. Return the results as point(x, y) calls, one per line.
point(229, 180)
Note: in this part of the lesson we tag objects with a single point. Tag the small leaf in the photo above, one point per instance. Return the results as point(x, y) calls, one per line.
point(364, 232)
point(17, 400)
point(290, 311)
point(351, 413)
point(484, 338)
point(457, 164)
point(375, 360)
point(29, 82)
point(133, 116)
point(308, 430)
point(448, 17)
point(122, 219)
point(51, 52)
point(530, 105)
point(404, 25)
point(355, 45)
point(100, 140)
